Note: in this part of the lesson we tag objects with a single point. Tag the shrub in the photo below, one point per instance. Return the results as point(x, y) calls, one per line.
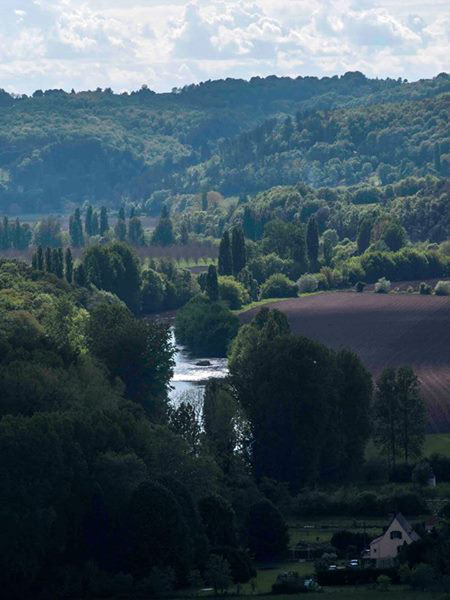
point(422, 577)
point(442, 288)
point(383, 583)
point(307, 283)
point(422, 473)
point(425, 289)
point(382, 286)
point(232, 292)
point(278, 286)
point(205, 327)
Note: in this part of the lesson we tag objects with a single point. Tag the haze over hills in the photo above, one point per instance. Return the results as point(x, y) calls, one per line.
point(61, 149)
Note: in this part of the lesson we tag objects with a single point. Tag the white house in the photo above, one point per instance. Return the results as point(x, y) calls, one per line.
point(384, 549)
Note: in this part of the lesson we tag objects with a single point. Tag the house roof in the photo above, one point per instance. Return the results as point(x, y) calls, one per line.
point(404, 524)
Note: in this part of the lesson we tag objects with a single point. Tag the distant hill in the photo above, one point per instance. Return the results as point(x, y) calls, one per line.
point(60, 149)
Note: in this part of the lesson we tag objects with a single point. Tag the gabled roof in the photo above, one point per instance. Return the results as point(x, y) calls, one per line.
point(404, 524)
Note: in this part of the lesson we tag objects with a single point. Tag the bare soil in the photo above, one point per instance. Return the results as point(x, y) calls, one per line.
point(385, 331)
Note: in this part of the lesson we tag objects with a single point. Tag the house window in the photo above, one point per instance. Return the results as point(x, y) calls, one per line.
point(396, 535)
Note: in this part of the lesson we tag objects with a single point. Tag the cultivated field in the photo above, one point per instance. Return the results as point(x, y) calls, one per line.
point(384, 330)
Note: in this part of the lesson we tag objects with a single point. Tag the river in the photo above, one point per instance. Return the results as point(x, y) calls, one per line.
point(188, 375)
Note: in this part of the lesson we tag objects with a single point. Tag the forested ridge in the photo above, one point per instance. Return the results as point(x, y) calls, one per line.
point(61, 149)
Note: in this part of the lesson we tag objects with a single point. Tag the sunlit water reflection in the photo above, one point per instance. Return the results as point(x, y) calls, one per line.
point(188, 375)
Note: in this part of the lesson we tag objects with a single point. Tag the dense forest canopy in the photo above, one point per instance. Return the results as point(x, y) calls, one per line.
point(61, 149)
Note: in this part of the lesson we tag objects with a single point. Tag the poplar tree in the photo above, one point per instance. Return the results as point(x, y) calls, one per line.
point(212, 284)
point(364, 235)
point(76, 230)
point(163, 234)
point(136, 232)
point(79, 275)
point(58, 262)
point(88, 220)
point(6, 234)
point(225, 257)
point(40, 258)
point(104, 224)
point(238, 250)
point(120, 229)
point(95, 224)
point(400, 416)
point(312, 242)
point(69, 265)
point(48, 260)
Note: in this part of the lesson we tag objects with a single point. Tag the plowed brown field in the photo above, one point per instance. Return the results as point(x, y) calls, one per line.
point(384, 330)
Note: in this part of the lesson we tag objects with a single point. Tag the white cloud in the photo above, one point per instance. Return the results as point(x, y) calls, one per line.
point(124, 43)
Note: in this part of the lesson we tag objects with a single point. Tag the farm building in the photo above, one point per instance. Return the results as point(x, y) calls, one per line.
point(384, 549)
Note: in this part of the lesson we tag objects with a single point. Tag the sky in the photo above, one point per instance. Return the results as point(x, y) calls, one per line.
point(124, 44)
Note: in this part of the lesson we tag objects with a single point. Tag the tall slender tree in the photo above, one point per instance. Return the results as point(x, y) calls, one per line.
point(212, 285)
point(120, 229)
point(104, 224)
point(79, 275)
point(58, 262)
point(238, 251)
point(312, 242)
point(40, 258)
point(76, 230)
point(48, 260)
point(136, 232)
point(163, 234)
point(364, 235)
point(95, 224)
point(69, 265)
point(412, 414)
point(225, 256)
point(88, 220)
point(400, 416)
point(6, 234)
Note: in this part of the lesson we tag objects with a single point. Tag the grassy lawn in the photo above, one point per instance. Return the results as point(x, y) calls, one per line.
point(435, 443)
point(261, 303)
point(321, 530)
point(258, 304)
point(361, 593)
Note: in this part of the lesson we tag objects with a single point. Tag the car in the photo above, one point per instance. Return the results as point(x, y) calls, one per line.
point(332, 567)
point(354, 563)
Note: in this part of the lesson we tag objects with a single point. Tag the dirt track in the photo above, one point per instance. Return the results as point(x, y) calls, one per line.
point(384, 330)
